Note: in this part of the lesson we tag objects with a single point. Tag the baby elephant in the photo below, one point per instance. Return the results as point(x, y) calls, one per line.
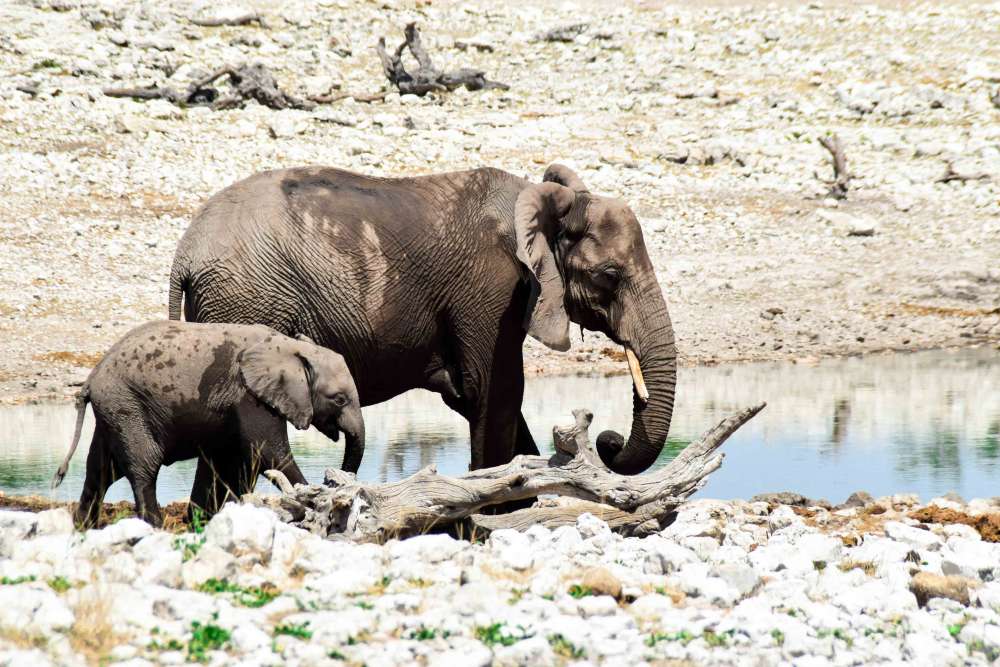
point(170, 391)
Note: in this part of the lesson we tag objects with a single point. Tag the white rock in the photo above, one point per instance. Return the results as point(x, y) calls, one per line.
point(287, 123)
point(782, 517)
point(916, 537)
point(969, 558)
point(211, 562)
point(513, 548)
point(924, 649)
point(14, 527)
point(426, 548)
point(525, 653)
point(739, 577)
point(464, 652)
point(33, 609)
point(54, 522)
point(247, 637)
point(590, 526)
point(652, 607)
point(242, 529)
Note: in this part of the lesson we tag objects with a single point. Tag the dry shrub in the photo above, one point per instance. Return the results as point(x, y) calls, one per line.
point(78, 359)
point(987, 525)
point(92, 634)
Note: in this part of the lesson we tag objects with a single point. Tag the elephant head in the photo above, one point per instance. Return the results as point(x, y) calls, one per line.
point(588, 264)
point(307, 384)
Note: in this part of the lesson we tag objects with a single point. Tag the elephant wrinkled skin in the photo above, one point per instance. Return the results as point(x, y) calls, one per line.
point(170, 391)
point(431, 282)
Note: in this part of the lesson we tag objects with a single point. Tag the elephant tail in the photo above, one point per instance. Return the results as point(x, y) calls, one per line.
point(178, 285)
point(81, 409)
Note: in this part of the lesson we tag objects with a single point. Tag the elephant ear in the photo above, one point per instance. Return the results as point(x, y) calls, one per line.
point(563, 175)
point(276, 374)
point(536, 225)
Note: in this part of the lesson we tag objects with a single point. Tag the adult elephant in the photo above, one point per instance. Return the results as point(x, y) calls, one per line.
point(431, 282)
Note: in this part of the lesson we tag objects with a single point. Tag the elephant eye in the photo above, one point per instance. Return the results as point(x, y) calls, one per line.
point(339, 400)
point(608, 276)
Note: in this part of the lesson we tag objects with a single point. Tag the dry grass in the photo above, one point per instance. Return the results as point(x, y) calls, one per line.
point(866, 566)
point(916, 309)
point(21, 639)
point(92, 634)
point(78, 359)
point(175, 517)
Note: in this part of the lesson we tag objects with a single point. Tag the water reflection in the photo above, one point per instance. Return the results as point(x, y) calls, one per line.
point(925, 423)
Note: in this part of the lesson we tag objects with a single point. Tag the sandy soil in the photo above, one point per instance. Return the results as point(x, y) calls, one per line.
point(704, 117)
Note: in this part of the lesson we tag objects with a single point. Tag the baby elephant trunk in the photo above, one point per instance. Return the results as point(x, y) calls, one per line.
point(353, 426)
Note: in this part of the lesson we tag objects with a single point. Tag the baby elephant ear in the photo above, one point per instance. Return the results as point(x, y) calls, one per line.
point(274, 373)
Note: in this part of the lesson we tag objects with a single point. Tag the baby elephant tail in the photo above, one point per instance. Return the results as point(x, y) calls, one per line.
point(81, 409)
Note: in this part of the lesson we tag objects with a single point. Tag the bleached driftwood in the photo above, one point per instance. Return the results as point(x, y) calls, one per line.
point(427, 78)
point(246, 82)
point(841, 177)
point(632, 505)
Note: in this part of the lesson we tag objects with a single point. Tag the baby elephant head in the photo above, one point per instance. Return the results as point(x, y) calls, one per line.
point(307, 384)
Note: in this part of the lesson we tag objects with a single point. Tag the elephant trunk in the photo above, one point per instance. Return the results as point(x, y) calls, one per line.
point(352, 425)
point(653, 362)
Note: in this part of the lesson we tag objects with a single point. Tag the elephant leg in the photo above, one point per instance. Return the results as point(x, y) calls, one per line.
point(264, 439)
point(217, 479)
point(525, 444)
point(102, 472)
point(143, 458)
point(492, 388)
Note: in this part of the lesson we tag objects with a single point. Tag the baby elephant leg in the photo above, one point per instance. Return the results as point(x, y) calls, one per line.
point(102, 472)
point(266, 444)
point(222, 476)
point(143, 458)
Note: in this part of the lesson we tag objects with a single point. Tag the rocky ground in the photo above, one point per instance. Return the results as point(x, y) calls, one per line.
point(704, 116)
point(740, 583)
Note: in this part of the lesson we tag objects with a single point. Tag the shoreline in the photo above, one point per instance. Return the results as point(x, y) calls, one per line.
point(540, 362)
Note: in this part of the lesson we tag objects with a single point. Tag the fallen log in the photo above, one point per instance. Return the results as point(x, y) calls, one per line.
point(632, 505)
point(427, 78)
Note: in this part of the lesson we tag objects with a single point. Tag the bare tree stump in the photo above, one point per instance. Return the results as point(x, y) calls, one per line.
point(427, 78)
point(841, 177)
point(632, 505)
point(247, 82)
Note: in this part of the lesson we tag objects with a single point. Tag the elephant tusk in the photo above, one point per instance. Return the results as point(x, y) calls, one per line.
point(636, 371)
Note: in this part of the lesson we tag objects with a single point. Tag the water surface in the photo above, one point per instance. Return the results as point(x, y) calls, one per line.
point(925, 423)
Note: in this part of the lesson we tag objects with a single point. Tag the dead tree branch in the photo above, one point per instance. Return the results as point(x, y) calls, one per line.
point(841, 177)
point(246, 82)
point(427, 78)
point(632, 505)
